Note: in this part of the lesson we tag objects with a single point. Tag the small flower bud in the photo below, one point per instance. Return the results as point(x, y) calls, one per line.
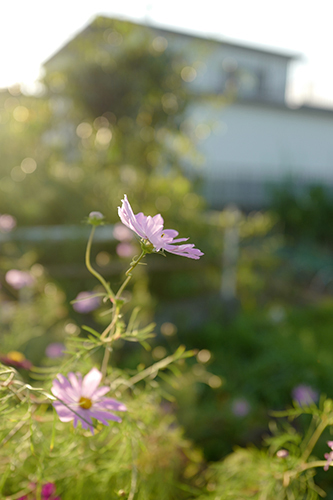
point(95, 218)
point(282, 453)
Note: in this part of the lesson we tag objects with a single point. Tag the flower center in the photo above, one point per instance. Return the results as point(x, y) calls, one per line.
point(16, 356)
point(147, 246)
point(85, 403)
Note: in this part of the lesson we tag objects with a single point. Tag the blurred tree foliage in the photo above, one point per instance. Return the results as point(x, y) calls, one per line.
point(108, 120)
point(305, 213)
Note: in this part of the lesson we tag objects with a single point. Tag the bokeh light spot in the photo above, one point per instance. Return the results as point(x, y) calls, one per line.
point(103, 136)
point(160, 44)
point(168, 329)
point(159, 352)
point(103, 259)
point(204, 356)
point(84, 130)
point(188, 74)
point(21, 113)
point(17, 174)
point(71, 328)
point(28, 165)
point(170, 103)
point(214, 382)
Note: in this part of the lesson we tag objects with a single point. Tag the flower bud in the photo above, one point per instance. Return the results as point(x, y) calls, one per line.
point(282, 453)
point(95, 219)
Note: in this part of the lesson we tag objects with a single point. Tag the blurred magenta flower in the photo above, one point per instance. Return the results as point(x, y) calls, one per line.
point(81, 400)
point(16, 359)
point(86, 302)
point(48, 490)
point(55, 350)
point(151, 231)
point(125, 250)
point(122, 233)
point(304, 395)
point(47, 493)
point(329, 456)
point(7, 223)
point(19, 279)
point(240, 407)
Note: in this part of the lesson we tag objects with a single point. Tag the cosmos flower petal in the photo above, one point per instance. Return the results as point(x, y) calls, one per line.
point(58, 391)
point(85, 420)
point(171, 233)
point(179, 240)
point(184, 250)
point(128, 218)
point(151, 229)
point(82, 400)
point(103, 416)
point(64, 413)
point(75, 381)
point(90, 382)
point(100, 392)
point(110, 404)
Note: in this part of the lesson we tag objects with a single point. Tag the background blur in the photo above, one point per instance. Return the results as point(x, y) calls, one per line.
point(225, 138)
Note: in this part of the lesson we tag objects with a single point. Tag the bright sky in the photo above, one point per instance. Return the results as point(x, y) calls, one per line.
point(32, 30)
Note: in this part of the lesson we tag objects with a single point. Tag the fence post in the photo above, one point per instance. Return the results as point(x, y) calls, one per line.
point(228, 289)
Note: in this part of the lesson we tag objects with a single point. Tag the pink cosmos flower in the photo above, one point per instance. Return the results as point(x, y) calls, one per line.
point(240, 407)
point(19, 279)
point(121, 233)
point(55, 350)
point(7, 223)
point(329, 456)
point(82, 400)
point(304, 395)
point(86, 302)
point(152, 232)
point(126, 250)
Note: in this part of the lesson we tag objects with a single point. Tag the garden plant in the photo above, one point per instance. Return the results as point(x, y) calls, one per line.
point(80, 427)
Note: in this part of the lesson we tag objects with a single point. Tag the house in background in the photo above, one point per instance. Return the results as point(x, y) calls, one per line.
point(248, 137)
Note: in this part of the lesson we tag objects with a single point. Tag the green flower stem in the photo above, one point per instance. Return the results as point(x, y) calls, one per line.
point(105, 361)
point(311, 465)
point(110, 327)
point(129, 275)
point(312, 442)
point(301, 468)
point(92, 270)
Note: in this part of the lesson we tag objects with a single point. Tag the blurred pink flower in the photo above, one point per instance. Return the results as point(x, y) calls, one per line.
point(121, 233)
point(7, 223)
point(329, 456)
point(81, 400)
point(55, 350)
point(151, 231)
point(304, 395)
point(126, 250)
point(86, 302)
point(19, 279)
point(240, 407)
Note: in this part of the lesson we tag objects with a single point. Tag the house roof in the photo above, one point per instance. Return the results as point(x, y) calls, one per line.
point(167, 32)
